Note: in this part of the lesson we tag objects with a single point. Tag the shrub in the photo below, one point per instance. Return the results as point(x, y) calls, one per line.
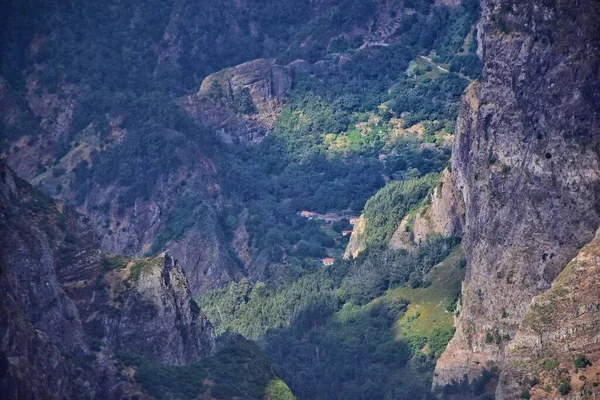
point(137, 269)
point(489, 338)
point(114, 262)
point(581, 361)
point(551, 364)
point(564, 387)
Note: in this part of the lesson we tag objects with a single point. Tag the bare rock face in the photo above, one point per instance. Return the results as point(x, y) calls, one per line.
point(442, 215)
point(357, 242)
point(561, 324)
point(242, 102)
point(526, 161)
point(65, 304)
point(157, 315)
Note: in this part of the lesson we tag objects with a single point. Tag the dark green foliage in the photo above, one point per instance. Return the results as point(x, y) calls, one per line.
point(468, 64)
point(581, 361)
point(353, 354)
point(428, 99)
point(136, 270)
point(564, 387)
point(481, 381)
point(274, 182)
point(115, 262)
point(243, 103)
point(439, 340)
point(489, 338)
point(390, 205)
point(238, 369)
point(323, 332)
point(454, 25)
point(378, 270)
point(549, 365)
point(187, 212)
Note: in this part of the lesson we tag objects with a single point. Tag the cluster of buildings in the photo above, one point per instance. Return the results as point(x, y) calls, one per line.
point(311, 215)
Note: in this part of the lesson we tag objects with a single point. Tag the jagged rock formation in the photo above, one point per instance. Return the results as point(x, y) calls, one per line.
point(526, 161)
point(242, 102)
point(561, 324)
point(67, 308)
point(441, 215)
point(158, 317)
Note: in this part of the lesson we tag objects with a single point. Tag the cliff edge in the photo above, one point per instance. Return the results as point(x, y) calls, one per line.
point(525, 159)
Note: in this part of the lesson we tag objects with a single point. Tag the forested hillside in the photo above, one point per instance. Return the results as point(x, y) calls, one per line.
point(94, 116)
point(246, 137)
point(370, 328)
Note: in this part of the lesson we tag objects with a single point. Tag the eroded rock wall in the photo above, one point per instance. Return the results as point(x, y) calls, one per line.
point(442, 215)
point(67, 308)
point(242, 102)
point(526, 161)
point(561, 325)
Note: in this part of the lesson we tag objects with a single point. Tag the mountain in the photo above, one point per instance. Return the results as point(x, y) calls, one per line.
point(525, 163)
point(122, 109)
point(522, 193)
point(69, 308)
point(247, 190)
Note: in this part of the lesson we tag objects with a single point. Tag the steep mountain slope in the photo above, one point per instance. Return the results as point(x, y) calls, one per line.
point(68, 308)
point(556, 348)
point(113, 107)
point(525, 159)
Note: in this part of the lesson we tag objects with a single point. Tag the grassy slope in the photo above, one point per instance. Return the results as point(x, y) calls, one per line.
point(430, 304)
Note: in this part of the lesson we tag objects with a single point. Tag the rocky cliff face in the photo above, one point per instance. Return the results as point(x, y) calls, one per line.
point(69, 308)
point(357, 244)
point(560, 326)
point(441, 215)
point(526, 161)
point(157, 315)
point(242, 102)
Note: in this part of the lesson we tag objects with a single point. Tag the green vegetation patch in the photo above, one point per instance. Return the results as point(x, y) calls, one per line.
point(387, 207)
point(115, 262)
point(334, 331)
point(278, 390)
point(238, 369)
point(136, 270)
point(431, 304)
point(549, 365)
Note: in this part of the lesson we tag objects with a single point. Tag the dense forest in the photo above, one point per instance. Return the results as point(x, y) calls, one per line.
point(335, 333)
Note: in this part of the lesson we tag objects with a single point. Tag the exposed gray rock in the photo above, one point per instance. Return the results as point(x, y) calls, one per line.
point(526, 161)
point(157, 314)
point(65, 304)
point(242, 102)
point(441, 215)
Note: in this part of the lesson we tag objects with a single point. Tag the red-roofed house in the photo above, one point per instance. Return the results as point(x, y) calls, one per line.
point(328, 261)
point(306, 214)
point(346, 233)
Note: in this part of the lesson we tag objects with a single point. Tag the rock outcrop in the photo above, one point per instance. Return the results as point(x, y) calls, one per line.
point(526, 162)
point(357, 243)
point(441, 215)
point(560, 326)
point(157, 314)
point(242, 102)
point(68, 308)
